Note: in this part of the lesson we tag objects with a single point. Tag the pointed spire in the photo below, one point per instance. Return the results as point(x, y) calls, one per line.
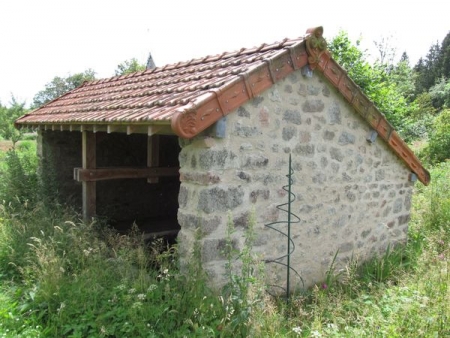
point(150, 62)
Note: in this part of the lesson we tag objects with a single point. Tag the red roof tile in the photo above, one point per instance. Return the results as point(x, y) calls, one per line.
point(190, 96)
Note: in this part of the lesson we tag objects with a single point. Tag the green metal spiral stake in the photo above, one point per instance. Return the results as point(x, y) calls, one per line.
point(291, 218)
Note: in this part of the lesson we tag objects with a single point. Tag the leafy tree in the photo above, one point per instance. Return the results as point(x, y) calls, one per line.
point(387, 52)
point(7, 118)
point(434, 67)
point(438, 149)
point(418, 123)
point(428, 69)
point(374, 80)
point(59, 86)
point(445, 57)
point(404, 77)
point(129, 66)
point(440, 94)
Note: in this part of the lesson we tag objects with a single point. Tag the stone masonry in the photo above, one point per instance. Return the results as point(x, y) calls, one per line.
point(352, 196)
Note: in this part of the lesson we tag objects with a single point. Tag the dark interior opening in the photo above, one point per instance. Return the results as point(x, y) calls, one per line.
point(152, 207)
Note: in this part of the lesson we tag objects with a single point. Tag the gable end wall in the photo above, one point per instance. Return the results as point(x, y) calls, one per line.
point(352, 197)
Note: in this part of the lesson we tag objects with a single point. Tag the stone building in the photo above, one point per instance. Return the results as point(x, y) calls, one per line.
point(187, 146)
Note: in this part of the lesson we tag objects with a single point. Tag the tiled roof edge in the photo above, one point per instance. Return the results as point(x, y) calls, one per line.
point(319, 58)
point(219, 102)
point(209, 108)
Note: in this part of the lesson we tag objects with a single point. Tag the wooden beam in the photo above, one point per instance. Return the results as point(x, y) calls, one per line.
point(100, 174)
point(153, 155)
point(89, 162)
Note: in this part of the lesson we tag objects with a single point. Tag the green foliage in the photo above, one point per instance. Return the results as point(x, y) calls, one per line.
point(404, 78)
point(61, 85)
point(63, 278)
point(440, 94)
point(375, 81)
point(129, 66)
point(434, 67)
point(245, 290)
point(19, 184)
point(7, 118)
point(438, 148)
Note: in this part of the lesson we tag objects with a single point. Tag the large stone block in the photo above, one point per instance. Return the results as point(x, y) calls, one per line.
point(220, 199)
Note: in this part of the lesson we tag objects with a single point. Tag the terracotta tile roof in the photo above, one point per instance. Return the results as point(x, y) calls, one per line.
point(153, 96)
point(187, 97)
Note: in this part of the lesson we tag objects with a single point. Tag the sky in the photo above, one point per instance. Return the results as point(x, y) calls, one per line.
point(41, 39)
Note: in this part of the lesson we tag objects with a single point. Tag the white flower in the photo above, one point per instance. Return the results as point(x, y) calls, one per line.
point(141, 296)
point(298, 330)
point(152, 287)
point(316, 334)
point(132, 290)
point(121, 287)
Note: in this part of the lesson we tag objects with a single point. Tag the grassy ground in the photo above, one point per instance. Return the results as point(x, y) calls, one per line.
point(60, 277)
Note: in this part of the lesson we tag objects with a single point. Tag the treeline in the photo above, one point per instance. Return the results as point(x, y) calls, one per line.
point(53, 89)
point(415, 99)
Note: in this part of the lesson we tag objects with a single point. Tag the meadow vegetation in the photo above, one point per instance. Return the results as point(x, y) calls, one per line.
point(61, 277)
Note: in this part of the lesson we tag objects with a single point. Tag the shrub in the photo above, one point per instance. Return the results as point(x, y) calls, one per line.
point(438, 149)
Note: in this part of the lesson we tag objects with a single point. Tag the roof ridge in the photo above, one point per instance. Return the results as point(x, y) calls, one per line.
point(201, 60)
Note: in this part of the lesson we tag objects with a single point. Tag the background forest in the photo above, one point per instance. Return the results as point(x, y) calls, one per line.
point(61, 277)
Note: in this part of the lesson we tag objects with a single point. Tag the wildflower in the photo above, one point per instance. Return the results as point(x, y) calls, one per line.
point(298, 330)
point(152, 287)
point(121, 287)
point(136, 305)
point(324, 286)
point(141, 296)
point(316, 334)
point(332, 326)
point(132, 290)
point(62, 306)
point(103, 330)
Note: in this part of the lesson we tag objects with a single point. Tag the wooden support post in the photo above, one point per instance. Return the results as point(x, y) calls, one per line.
point(89, 188)
point(153, 155)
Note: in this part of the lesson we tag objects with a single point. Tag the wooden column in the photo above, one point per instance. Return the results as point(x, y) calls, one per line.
point(89, 188)
point(153, 155)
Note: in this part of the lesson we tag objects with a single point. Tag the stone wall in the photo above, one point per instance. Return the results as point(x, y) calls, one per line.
point(352, 197)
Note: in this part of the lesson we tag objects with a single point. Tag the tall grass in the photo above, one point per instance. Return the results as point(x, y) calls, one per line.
point(61, 277)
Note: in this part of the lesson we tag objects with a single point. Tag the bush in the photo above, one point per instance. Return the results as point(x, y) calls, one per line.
point(19, 183)
point(438, 149)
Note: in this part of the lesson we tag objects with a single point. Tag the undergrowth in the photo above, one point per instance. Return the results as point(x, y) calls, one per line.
point(61, 277)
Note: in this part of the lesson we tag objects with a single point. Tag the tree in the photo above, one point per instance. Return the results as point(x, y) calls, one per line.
point(59, 86)
point(438, 149)
point(386, 50)
point(129, 66)
point(7, 118)
point(445, 57)
point(440, 94)
point(375, 80)
point(404, 77)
